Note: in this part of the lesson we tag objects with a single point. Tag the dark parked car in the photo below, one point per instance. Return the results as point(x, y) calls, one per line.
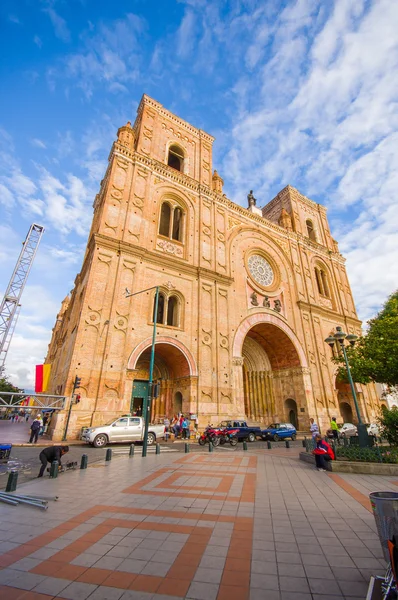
point(244, 431)
point(279, 431)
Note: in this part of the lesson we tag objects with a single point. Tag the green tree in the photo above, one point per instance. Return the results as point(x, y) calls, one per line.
point(375, 355)
point(388, 422)
point(6, 386)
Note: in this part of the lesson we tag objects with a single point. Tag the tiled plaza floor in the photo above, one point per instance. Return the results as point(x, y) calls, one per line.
point(238, 525)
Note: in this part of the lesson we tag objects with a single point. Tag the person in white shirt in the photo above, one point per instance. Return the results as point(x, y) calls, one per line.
point(314, 428)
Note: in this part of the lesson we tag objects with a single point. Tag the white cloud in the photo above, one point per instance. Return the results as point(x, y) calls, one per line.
point(38, 143)
point(37, 41)
point(61, 29)
point(110, 55)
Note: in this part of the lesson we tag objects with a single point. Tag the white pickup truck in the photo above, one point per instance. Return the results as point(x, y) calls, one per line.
point(125, 429)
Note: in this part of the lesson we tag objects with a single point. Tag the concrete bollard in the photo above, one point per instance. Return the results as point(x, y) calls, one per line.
point(84, 461)
point(108, 455)
point(269, 445)
point(287, 444)
point(157, 448)
point(132, 448)
point(12, 481)
point(54, 469)
point(186, 448)
point(210, 447)
point(244, 445)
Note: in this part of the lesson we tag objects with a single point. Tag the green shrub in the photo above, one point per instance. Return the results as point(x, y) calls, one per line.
point(378, 454)
point(388, 424)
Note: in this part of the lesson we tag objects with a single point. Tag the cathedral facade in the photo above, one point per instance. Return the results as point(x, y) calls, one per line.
point(246, 295)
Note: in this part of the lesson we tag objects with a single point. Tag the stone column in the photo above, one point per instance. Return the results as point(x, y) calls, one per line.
point(237, 372)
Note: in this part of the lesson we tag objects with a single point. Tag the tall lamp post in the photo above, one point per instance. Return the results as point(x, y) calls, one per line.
point(338, 338)
point(146, 408)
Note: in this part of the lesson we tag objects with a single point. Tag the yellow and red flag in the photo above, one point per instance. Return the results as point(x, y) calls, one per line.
point(42, 378)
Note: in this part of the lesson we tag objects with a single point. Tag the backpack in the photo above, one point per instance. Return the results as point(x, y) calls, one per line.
point(35, 426)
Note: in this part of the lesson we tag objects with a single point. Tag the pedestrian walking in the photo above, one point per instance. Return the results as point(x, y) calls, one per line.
point(35, 429)
point(335, 429)
point(314, 429)
point(49, 455)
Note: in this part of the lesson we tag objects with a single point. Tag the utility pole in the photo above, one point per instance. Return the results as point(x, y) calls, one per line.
point(10, 305)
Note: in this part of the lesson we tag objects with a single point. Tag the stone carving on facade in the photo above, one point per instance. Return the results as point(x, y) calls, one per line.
point(206, 338)
point(233, 223)
point(169, 247)
point(266, 302)
point(224, 341)
point(253, 298)
point(138, 201)
point(120, 322)
point(237, 361)
point(106, 258)
point(117, 193)
point(93, 317)
point(277, 306)
point(170, 286)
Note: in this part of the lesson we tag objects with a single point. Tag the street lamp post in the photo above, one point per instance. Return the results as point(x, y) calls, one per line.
point(146, 408)
point(339, 338)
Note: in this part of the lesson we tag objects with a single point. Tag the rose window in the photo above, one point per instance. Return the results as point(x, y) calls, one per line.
point(260, 270)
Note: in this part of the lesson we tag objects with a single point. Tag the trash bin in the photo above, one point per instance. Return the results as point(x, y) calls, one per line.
point(5, 451)
point(385, 511)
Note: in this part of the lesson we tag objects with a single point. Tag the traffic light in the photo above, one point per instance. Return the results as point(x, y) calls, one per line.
point(76, 383)
point(77, 398)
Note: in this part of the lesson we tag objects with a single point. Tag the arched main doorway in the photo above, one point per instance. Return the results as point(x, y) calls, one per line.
point(344, 396)
point(273, 369)
point(346, 412)
point(174, 370)
point(291, 412)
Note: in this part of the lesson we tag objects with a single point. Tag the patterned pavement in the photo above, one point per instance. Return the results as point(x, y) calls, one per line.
point(215, 526)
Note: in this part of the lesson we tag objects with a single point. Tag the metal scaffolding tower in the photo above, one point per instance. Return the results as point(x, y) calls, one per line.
point(10, 306)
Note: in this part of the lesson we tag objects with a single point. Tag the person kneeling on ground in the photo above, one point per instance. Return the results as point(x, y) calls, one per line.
point(48, 455)
point(323, 453)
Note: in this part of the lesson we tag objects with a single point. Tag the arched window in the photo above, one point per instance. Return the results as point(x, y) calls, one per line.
point(322, 282)
point(161, 304)
point(168, 310)
point(310, 230)
point(172, 311)
point(165, 214)
point(175, 158)
point(171, 222)
point(177, 224)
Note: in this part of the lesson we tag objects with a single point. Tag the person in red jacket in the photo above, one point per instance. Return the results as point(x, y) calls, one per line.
point(323, 453)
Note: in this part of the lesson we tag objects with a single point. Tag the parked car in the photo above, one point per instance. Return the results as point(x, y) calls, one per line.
point(348, 430)
point(244, 432)
point(373, 429)
point(279, 431)
point(125, 429)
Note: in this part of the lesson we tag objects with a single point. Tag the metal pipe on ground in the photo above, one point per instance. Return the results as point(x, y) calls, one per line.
point(8, 501)
point(19, 497)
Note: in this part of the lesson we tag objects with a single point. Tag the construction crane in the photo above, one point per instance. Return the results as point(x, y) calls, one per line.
point(10, 306)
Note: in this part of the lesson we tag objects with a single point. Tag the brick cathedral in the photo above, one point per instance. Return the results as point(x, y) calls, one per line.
point(247, 295)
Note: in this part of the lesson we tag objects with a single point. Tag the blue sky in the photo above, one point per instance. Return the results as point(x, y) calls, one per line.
point(297, 91)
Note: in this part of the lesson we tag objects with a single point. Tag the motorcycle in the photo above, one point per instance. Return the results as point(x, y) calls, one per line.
point(229, 435)
point(211, 436)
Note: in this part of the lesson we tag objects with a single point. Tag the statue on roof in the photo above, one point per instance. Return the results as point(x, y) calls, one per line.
point(251, 199)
